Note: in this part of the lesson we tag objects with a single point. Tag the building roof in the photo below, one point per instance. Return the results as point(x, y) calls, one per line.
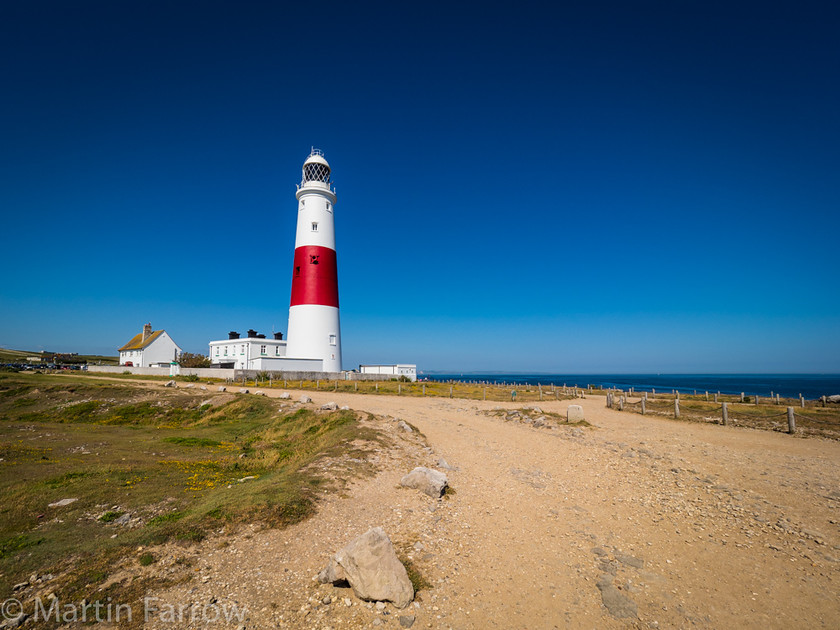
point(137, 342)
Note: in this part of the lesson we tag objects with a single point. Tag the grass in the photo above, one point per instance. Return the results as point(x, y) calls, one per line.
point(176, 465)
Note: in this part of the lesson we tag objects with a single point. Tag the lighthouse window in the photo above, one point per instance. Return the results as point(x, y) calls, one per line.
point(277, 350)
point(297, 271)
point(262, 349)
point(332, 340)
point(314, 226)
point(328, 206)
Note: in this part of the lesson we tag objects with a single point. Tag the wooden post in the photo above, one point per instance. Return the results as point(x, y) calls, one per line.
point(716, 396)
point(540, 387)
point(644, 396)
point(377, 387)
point(399, 389)
point(653, 391)
point(777, 399)
point(356, 386)
point(724, 414)
point(676, 394)
point(756, 400)
point(791, 421)
point(301, 384)
point(822, 399)
point(424, 389)
point(621, 403)
point(485, 393)
point(742, 396)
point(801, 401)
point(644, 400)
point(450, 391)
point(707, 396)
point(676, 407)
point(335, 389)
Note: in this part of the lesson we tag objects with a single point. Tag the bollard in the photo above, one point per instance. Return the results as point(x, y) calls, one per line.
point(724, 414)
point(644, 400)
point(791, 421)
point(676, 408)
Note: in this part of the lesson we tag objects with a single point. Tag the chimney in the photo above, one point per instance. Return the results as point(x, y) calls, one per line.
point(278, 336)
point(147, 331)
point(233, 335)
point(252, 333)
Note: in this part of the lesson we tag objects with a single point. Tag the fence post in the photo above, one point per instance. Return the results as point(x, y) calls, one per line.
point(450, 391)
point(336, 387)
point(777, 399)
point(676, 407)
point(424, 389)
point(756, 400)
point(724, 414)
point(608, 400)
point(716, 397)
point(540, 387)
point(742, 396)
point(801, 401)
point(356, 386)
point(399, 389)
point(269, 380)
point(822, 398)
point(621, 404)
point(643, 405)
point(791, 421)
point(377, 387)
point(485, 393)
point(653, 391)
point(284, 384)
point(707, 396)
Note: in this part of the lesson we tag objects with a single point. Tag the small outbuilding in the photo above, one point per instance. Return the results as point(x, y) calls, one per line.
point(150, 348)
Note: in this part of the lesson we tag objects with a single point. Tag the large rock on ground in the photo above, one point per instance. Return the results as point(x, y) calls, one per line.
point(371, 567)
point(574, 413)
point(426, 480)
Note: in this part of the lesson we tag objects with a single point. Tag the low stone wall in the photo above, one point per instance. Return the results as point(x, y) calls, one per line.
point(229, 373)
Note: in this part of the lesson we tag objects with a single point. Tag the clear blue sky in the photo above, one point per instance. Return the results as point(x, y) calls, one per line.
point(599, 187)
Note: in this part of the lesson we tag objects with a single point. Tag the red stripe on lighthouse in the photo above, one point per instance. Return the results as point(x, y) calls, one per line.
point(315, 276)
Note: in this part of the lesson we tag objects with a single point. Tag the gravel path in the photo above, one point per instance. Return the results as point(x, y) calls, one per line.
point(635, 521)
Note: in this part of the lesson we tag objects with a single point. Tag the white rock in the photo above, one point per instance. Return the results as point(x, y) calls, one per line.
point(426, 480)
point(372, 568)
point(305, 399)
point(574, 413)
point(330, 406)
point(63, 502)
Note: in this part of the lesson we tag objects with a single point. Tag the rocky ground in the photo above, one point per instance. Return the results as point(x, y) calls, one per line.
point(634, 521)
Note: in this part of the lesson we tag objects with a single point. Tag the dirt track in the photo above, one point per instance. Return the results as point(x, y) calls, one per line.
point(690, 525)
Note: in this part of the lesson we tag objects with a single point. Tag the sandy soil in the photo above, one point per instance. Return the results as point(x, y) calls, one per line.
point(636, 521)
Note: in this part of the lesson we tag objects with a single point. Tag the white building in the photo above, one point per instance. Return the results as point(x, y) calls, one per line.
point(150, 349)
point(391, 371)
point(255, 352)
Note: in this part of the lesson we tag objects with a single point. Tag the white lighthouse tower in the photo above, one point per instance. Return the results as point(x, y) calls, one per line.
point(314, 331)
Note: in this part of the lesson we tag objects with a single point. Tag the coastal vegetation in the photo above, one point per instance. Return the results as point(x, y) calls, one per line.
point(92, 470)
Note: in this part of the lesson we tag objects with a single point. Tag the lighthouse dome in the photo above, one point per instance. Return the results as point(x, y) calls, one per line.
point(316, 168)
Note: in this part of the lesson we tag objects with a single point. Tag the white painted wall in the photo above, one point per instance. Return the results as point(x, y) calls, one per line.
point(312, 326)
point(391, 370)
point(243, 352)
point(161, 350)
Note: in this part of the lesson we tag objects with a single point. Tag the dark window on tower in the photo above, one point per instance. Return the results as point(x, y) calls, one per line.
point(297, 271)
point(313, 259)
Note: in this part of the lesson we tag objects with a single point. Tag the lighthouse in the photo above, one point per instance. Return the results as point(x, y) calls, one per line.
point(314, 331)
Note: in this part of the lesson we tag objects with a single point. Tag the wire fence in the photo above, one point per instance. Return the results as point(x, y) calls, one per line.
point(820, 420)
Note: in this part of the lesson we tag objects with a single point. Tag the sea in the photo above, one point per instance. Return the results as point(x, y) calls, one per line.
point(811, 386)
